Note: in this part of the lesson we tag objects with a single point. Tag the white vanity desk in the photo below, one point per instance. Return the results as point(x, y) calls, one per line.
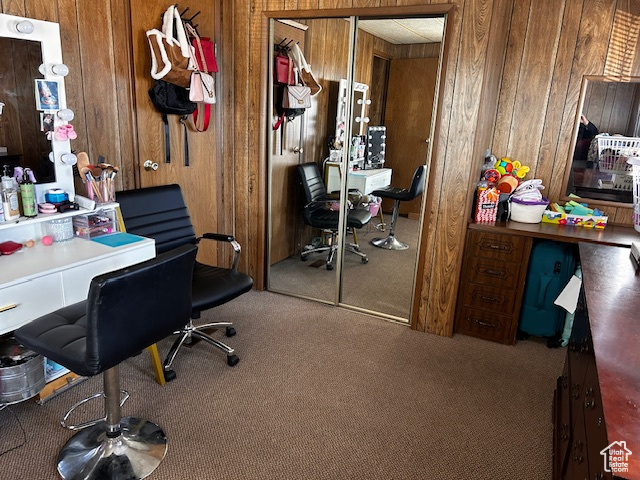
point(38, 280)
point(366, 181)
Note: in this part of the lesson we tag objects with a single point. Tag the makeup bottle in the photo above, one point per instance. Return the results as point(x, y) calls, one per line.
point(28, 194)
point(10, 203)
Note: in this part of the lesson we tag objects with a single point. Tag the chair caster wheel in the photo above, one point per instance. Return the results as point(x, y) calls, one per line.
point(232, 360)
point(230, 332)
point(329, 266)
point(364, 260)
point(303, 258)
point(169, 375)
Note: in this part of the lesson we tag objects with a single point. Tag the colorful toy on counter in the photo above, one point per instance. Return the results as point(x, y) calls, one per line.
point(575, 214)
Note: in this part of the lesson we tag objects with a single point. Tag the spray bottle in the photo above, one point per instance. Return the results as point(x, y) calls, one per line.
point(10, 203)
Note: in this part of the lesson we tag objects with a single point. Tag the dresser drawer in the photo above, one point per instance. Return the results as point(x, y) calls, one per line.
point(492, 272)
point(486, 325)
point(487, 297)
point(32, 299)
point(499, 247)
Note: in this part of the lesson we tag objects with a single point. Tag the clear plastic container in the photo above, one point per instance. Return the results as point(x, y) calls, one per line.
point(95, 224)
point(60, 229)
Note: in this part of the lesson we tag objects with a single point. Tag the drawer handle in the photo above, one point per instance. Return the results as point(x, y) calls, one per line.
point(498, 247)
point(498, 273)
point(8, 307)
point(482, 323)
point(488, 299)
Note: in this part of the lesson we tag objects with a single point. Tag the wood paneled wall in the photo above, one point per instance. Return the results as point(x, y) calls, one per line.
point(95, 47)
point(552, 46)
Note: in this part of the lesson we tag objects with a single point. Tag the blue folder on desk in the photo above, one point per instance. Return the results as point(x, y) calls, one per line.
point(118, 239)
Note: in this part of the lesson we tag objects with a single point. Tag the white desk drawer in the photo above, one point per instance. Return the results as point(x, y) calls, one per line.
point(32, 299)
point(378, 181)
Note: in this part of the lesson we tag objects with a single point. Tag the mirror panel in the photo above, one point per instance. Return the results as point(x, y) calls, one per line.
point(607, 123)
point(44, 36)
point(304, 139)
point(20, 123)
point(390, 55)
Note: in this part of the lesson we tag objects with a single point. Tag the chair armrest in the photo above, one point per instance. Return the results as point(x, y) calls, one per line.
point(221, 237)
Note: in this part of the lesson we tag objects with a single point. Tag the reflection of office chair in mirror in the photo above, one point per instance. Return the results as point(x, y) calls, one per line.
point(399, 195)
point(317, 214)
point(161, 213)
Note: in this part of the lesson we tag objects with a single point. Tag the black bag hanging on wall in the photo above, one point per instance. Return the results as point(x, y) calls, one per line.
point(170, 99)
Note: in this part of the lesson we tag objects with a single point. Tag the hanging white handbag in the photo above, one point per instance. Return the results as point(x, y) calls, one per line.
point(296, 96)
point(202, 88)
point(304, 70)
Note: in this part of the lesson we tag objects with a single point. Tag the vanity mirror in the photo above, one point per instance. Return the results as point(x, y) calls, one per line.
point(606, 131)
point(31, 50)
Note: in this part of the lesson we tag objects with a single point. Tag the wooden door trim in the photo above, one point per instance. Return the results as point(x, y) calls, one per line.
point(416, 322)
point(371, 12)
point(447, 9)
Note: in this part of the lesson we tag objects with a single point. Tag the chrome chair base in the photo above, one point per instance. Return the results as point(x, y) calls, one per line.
point(191, 331)
point(134, 453)
point(389, 243)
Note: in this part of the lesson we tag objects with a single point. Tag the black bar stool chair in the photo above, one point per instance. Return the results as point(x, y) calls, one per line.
point(390, 242)
point(125, 312)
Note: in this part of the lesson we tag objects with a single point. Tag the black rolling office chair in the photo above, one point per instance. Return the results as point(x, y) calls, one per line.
point(399, 195)
point(125, 312)
point(161, 213)
point(317, 214)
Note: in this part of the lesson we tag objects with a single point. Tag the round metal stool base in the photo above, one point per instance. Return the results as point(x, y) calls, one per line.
point(389, 243)
point(90, 454)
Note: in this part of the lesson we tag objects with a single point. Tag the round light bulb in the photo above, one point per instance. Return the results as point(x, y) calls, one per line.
point(60, 69)
point(25, 26)
point(68, 159)
point(65, 115)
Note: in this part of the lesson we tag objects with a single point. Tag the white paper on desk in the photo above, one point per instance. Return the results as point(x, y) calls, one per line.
point(568, 298)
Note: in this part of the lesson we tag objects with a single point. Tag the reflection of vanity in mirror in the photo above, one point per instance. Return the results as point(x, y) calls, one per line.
point(606, 132)
point(365, 146)
point(30, 49)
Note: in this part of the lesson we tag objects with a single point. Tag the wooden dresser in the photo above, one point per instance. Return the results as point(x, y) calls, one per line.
point(494, 269)
point(492, 282)
point(597, 397)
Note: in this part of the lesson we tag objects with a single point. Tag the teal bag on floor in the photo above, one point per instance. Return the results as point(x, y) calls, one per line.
point(551, 266)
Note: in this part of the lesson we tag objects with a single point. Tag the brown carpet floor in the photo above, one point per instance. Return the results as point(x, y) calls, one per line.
point(324, 393)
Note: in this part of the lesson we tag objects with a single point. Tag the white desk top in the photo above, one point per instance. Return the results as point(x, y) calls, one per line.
point(39, 260)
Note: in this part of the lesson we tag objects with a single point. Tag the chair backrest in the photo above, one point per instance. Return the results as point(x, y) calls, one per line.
point(417, 184)
point(159, 213)
point(312, 181)
point(134, 307)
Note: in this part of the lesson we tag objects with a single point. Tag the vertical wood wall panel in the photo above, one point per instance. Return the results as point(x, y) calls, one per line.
point(508, 90)
point(13, 7)
point(534, 81)
point(547, 155)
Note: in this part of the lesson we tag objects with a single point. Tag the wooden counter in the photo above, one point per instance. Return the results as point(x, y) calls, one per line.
point(611, 235)
point(612, 293)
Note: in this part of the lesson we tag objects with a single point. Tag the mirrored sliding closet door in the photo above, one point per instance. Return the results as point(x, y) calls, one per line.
point(348, 170)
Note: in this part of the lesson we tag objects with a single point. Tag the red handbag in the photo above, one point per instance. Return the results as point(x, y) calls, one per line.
point(283, 70)
point(208, 50)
